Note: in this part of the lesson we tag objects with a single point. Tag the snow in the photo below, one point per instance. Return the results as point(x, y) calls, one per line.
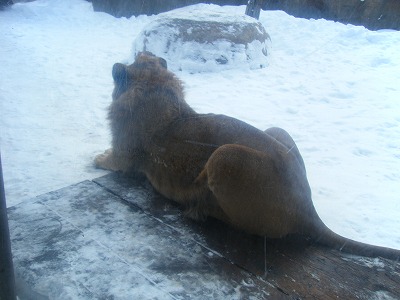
point(335, 88)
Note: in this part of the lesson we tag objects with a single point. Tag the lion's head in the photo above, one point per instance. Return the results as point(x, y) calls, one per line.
point(146, 97)
point(146, 66)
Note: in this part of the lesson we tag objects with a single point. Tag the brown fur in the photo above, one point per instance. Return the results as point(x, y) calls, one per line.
point(214, 165)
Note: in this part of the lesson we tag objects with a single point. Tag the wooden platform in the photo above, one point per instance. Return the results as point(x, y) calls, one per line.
point(116, 238)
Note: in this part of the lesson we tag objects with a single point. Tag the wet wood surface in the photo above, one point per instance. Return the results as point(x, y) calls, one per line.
point(116, 238)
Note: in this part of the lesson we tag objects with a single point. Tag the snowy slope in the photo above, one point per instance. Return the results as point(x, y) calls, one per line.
point(334, 87)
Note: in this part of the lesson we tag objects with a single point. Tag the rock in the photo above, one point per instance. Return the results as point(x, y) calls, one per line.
point(197, 40)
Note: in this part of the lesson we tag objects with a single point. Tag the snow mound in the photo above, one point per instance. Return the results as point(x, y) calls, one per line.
point(195, 39)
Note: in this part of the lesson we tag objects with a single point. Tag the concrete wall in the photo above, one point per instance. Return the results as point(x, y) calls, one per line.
point(373, 14)
point(127, 8)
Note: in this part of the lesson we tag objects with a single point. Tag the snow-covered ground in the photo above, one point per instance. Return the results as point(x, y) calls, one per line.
point(334, 87)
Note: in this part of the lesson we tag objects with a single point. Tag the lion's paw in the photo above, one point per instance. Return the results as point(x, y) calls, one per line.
point(102, 161)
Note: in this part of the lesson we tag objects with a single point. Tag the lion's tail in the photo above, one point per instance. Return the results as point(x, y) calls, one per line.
point(325, 236)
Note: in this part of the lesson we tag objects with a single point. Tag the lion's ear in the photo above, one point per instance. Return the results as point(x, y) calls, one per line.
point(120, 74)
point(163, 62)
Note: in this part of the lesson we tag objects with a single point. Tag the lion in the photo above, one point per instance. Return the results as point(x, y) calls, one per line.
point(213, 165)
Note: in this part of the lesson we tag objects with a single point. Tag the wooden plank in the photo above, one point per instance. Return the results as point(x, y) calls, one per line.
point(116, 237)
point(83, 242)
point(245, 250)
point(295, 266)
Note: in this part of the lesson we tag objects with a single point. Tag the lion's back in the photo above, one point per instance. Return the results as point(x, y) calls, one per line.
point(212, 131)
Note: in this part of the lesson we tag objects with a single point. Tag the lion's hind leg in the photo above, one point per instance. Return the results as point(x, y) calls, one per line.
point(247, 187)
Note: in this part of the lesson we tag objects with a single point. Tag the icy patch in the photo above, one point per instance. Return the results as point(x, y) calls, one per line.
point(196, 39)
point(366, 261)
point(382, 295)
